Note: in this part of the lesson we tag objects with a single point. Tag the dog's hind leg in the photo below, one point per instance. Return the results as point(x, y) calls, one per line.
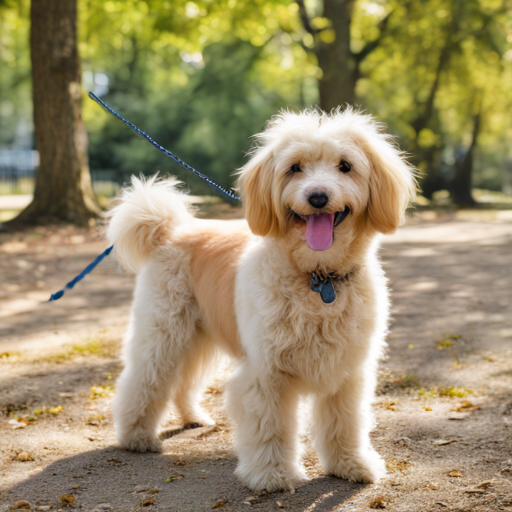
point(196, 368)
point(163, 329)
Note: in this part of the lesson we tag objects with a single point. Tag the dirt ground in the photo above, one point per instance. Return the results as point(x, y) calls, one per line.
point(443, 410)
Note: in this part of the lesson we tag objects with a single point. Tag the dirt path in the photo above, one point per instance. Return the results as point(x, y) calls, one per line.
point(444, 409)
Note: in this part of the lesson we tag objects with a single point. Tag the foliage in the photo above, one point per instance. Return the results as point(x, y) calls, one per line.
point(201, 77)
point(15, 101)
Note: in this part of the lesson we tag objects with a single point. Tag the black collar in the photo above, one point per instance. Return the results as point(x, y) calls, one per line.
point(322, 283)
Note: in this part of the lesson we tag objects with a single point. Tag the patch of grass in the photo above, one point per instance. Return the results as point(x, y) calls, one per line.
point(25, 416)
point(105, 391)
point(444, 392)
point(389, 382)
point(9, 357)
point(99, 346)
point(447, 341)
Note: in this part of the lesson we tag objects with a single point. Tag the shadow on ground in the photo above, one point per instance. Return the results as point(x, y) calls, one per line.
point(128, 480)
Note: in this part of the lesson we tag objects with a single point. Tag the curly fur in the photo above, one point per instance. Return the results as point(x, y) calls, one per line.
point(242, 288)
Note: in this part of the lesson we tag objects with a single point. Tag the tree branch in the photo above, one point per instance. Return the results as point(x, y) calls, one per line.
point(372, 45)
point(299, 42)
point(305, 18)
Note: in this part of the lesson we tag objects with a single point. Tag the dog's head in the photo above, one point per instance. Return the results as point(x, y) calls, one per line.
point(315, 172)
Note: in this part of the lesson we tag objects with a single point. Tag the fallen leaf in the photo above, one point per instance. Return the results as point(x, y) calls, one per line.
point(465, 406)
point(458, 416)
point(148, 503)
point(75, 487)
point(474, 491)
point(483, 485)
point(397, 465)
point(180, 463)
point(280, 505)
point(67, 499)
point(102, 507)
point(220, 503)
point(22, 505)
point(454, 473)
point(426, 407)
point(378, 502)
point(403, 441)
point(443, 442)
point(173, 478)
point(15, 424)
point(390, 405)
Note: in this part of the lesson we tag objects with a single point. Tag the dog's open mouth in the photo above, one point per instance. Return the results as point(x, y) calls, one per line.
point(320, 228)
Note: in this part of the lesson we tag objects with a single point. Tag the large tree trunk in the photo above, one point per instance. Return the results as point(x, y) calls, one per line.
point(338, 81)
point(461, 185)
point(339, 65)
point(63, 189)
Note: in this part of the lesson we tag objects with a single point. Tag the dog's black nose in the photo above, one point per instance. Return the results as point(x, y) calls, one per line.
point(318, 200)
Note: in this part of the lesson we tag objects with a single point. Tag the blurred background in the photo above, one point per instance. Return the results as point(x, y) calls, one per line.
point(202, 76)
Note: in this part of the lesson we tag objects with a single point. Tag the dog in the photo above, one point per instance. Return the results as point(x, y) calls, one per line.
point(294, 293)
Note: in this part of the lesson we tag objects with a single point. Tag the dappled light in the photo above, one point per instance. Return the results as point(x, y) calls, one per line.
point(203, 78)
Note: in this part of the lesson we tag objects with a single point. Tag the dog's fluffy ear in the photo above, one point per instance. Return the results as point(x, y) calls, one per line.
point(392, 182)
point(260, 194)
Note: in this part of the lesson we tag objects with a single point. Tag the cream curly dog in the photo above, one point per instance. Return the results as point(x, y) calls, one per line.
point(295, 293)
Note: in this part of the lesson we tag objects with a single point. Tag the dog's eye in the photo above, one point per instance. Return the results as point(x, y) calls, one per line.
point(344, 166)
point(295, 168)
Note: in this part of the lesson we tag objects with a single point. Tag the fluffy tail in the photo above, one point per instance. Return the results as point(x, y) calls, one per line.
point(147, 214)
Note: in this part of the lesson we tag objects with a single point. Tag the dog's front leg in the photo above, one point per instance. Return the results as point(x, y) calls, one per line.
point(264, 408)
point(341, 426)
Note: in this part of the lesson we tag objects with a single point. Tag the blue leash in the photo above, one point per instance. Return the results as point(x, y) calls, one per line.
point(106, 252)
point(166, 152)
point(79, 277)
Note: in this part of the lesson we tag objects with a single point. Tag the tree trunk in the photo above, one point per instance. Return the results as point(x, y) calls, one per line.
point(63, 191)
point(461, 186)
point(338, 81)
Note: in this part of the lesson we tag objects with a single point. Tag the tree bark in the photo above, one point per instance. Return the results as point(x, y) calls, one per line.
point(338, 82)
point(461, 186)
point(63, 191)
point(339, 65)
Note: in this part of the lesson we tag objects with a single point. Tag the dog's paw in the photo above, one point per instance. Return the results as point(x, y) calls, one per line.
point(140, 441)
point(272, 479)
point(365, 468)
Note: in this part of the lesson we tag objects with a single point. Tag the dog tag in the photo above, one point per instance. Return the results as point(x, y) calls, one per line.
point(327, 293)
point(324, 287)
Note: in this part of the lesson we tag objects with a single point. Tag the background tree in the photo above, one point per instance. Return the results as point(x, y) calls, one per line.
point(63, 189)
point(203, 76)
point(330, 40)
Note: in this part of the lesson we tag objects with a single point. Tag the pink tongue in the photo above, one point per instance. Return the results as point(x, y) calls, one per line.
point(319, 231)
